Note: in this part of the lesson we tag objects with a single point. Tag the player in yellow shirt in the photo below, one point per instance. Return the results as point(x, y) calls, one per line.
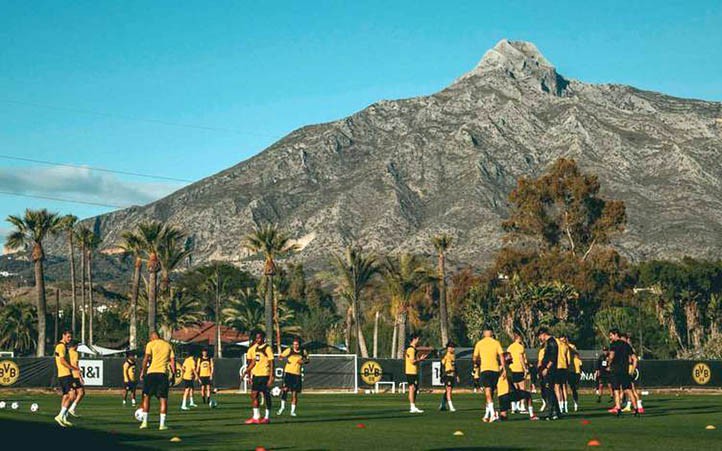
point(205, 373)
point(448, 368)
point(154, 373)
point(189, 375)
point(518, 369)
point(488, 356)
point(561, 375)
point(575, 375)
point(129, 381)
point(78, 382)
point(259, 367)
point(292, 377)
point(508, 393)
point(412, 358)
point(65, 378)
point(541, 380)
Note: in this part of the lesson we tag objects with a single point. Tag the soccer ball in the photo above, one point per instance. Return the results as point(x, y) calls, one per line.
point(34, 407)
point(212, 403)
point(2, 404)
point(276, 391)
point(139, 414)
point(15, 406)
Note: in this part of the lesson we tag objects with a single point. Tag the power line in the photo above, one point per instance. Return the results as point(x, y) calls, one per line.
point(137, 119)
point(112, 171)
point(60, 199)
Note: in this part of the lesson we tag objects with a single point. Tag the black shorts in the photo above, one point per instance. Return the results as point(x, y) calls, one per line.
point(188, 383)
point(560, 376)
point(449, 380)
point(77, 383)
point(412, 379)
point(574, 379)
point(205, 380)
point(292, 382)
point(156, 384)
point(130, 385)
point(259, 383)
point(621, 380)
point(603, 378)
point(489, 379)
point(66, 384)
point(517, 377)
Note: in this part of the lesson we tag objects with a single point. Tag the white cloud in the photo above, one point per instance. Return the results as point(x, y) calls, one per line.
point(82, 184)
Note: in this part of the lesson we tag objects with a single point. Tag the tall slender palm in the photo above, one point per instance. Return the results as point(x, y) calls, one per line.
point(132, 245)
point(171, 253)
point(30, 231)
point(442, 243)
point(270, 241)
point(213, 287)
point(353, 270)
point(68, 227)
point(88, 242)
point(405, 277)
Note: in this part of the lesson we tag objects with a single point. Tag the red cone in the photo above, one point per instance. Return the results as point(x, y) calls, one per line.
point(594, 443)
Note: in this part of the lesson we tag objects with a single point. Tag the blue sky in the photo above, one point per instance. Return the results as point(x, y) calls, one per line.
point(84, 82)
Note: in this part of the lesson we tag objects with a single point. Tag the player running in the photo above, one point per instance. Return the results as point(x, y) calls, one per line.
point(488, 356)
point(259, 369)
point(620, 355)
point(205, 373)
point(509, 394)
point(601, 375)
point(129, 381)
point(78, 382)
point(292, 379)
point(411, 368)
point(65, 378)
point(190, 374)
point(158, 356)
point(518, 370)
point(448, 364)
point(547, 372)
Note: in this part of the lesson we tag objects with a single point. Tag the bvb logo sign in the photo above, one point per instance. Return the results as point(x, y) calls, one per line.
point(9, 372)
point(371, 372)
point(701, 373)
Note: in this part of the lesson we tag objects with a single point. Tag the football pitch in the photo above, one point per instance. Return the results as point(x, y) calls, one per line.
point(366, 422)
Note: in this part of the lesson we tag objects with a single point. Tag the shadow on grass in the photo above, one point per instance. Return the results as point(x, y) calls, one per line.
point(54, 434)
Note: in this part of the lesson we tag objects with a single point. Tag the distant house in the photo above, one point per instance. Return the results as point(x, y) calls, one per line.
point(203, 335)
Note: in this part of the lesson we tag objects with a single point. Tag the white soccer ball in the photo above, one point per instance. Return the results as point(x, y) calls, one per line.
point(15, 406)
point(34, 407)
point(139, 414)
point(2, 404)
point(276, 391)
point(213, 404)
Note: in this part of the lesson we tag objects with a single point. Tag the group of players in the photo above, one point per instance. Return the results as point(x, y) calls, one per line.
point(557, 373)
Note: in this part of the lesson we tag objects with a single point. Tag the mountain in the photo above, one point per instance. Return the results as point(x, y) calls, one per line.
point(397, 172)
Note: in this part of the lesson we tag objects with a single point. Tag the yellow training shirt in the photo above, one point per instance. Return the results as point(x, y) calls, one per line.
point(205, 367)
point(517, 354)
point(449, 363)
point(263, 356)
point(74, 361)
point(161, 353)
point(577, 363)
point(129, 371)
point(562, 356)
point(189, 364)
point(294, 361)
point(489, 351)
point(502, 386)
point(61, 354)
point(476, 372)
point(410, 366)
point(540, 356)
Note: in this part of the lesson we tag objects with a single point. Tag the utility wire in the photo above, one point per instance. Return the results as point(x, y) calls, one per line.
point(60, 199)
point(112, 171)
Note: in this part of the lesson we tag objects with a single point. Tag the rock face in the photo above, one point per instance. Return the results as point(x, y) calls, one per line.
point(397, 172)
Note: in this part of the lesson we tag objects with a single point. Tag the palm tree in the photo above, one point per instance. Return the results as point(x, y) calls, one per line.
point(353, 271)
point(30, 232)
point(132, 245)
point(180, 311)
point(68, 227)
point(442, 243)
point(245, 312)
point(88, 242)
point(405, 277)
point(17, 328)
point(213, 286)
point(171, 253)
point(270, 241)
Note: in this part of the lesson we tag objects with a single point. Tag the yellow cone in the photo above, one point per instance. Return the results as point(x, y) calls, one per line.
point(175, 439)
point(458, 433)
point(710, 427)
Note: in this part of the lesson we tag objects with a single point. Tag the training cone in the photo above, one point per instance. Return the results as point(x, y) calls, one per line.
point(458, 433)
point(593, 443)
point(585, 422)
point(260, 448)
point(710, 427)
point(175, 439)
point(361, 426)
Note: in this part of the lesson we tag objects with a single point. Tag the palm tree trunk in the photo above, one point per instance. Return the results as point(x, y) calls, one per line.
point(268, 309)
point(83, 307)
point(347, 330)
point(376, 336)
point(394, 338)
point(277, 323)
point(360, 339)
point(152, 291)
point(134, 289)
point(40, 291)
point(90, 298)
point(72, 283)
point(443, 313)
point(402, 335)
point(219, 319)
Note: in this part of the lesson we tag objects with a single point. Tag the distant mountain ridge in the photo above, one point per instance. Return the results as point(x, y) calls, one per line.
point(392, 175)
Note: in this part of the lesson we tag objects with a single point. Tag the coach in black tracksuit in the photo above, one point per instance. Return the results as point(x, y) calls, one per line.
point(548, 370)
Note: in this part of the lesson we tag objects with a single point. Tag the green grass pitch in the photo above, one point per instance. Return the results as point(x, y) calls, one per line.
point(672, 422)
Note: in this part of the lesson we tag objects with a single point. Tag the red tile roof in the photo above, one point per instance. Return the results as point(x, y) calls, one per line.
point(205, 333)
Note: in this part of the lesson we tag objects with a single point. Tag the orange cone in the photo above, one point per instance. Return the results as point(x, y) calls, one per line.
point(260, 448)
point(361, 426)
point(585, 422)
point(594, 442)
